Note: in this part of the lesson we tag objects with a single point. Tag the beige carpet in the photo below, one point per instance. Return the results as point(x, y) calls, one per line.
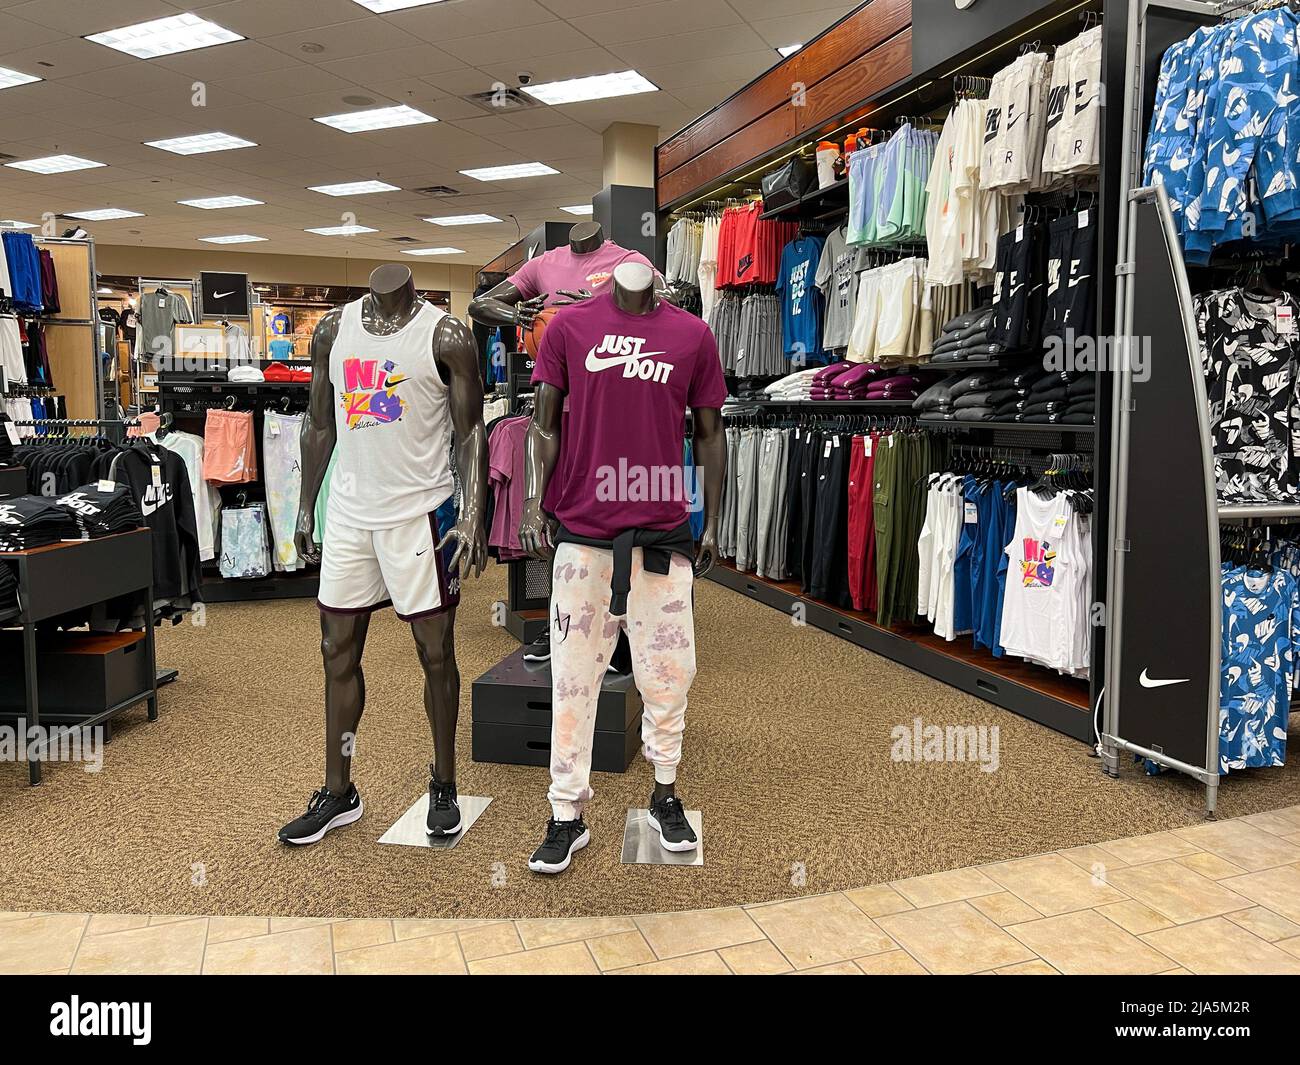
point(787, 754)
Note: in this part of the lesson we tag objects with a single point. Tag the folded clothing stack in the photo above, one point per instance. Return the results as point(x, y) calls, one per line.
point(961, 397)
point(966, 339)
point(1047, 397)
point(795, 386)
point(31, 521)
point(8, 588)
point(850, 380)
point(6, 444)
point(279, 373)
point(101, 509)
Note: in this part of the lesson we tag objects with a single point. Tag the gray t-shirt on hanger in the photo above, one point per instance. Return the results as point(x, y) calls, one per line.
point(835, 279)
point(159, 311)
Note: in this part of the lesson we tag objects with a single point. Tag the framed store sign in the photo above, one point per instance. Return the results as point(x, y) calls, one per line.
point(223, 295)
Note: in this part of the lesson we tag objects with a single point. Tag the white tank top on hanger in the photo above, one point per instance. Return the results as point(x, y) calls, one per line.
point(393, 423)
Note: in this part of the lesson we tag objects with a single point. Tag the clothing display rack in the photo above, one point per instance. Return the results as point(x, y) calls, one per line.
point(874, 69)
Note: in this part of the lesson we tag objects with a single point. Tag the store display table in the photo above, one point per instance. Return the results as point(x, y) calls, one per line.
point(70, 576)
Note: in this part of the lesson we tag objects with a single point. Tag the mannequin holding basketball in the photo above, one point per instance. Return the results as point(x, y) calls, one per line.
point(534, 293)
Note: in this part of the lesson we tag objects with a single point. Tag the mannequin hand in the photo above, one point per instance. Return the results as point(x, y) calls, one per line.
point(470, 555)
point(537, 531)
point(706, 555)
point(573, 297)
point(304, 538)
point(526, 312)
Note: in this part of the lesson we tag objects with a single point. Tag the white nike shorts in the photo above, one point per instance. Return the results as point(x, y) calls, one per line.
point(1080, 150)
point(365, 569)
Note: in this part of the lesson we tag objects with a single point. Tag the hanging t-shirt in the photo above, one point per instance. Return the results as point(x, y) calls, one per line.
point(629, 379)
point(1038, 608)
point(280, 348)
point(835, 280)
point(159, 311)
point(801, 317)
point(1261, 610)
point(1249, 351)
point(563, 268)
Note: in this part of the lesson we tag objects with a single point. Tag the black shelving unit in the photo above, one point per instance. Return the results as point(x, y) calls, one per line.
point(815, 205)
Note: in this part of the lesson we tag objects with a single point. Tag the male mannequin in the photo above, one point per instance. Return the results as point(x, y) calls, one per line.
point(579, 271)
point(630, 364)
point(392, 376)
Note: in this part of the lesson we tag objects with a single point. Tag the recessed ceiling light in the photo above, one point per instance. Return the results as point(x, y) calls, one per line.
point(341, 231)
point(596, 87)
point(10, 78)
point(165, 36)
point(311, 47)
point(213, 203)
point(579, 208)
point(103, 214)
point(394, 5)
point(377, 118)
point(432, 251)
point(13, 223)
point(233, 238)
point(505, 173)
point(200, 143)
point(354, 188)
point(464, 219)
point(54, 164)
point(789, 49)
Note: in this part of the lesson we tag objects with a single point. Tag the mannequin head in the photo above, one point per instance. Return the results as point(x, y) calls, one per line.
point(586, 237)
point(392, 288)
point(634, 287)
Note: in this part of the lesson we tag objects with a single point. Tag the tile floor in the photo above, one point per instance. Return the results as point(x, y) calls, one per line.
point(1222, 897)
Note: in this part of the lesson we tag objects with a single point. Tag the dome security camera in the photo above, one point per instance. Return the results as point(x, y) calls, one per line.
point(525, 77)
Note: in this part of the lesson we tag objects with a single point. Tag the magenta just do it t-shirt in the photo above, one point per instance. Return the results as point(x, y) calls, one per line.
point(630, 379)
point(562, 268)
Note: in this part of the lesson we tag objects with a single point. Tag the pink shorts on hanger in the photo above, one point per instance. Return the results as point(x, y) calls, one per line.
point(229, 454)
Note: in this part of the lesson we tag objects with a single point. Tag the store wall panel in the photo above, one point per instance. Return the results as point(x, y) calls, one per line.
point(72, 267)
point(866, 76)
point(72, 364)
point(856, 35)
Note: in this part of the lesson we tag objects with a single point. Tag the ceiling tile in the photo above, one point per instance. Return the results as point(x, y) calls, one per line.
point(455, 19)
point(363, 36)
point(658, 20)
point(521, 44)
point(78, 18)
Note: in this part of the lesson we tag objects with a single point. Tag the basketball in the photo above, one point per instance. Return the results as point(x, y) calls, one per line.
point(533, 336)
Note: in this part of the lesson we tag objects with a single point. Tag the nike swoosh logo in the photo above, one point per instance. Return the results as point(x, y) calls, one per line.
point(595, 363)
point(1147, 682)
point(219, 295)
point(419, 553)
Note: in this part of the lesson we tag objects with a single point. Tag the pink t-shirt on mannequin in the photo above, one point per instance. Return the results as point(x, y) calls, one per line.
point(562, 268)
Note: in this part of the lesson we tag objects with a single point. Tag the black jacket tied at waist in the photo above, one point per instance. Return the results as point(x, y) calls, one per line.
point(657, 545)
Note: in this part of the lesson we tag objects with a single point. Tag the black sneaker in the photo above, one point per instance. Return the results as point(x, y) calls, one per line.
point(540, 649)
point(556, 851)
point(668, 818)
point(326, 811)
point(444, 813)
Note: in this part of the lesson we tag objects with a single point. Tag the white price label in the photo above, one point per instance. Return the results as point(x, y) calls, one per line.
point(1083, 219)
point(275, 428)
point(866, 446)
point(972, 515)
point(1284, 317)
point(826, 451)
point(155, 473)
point(12, 432)
point(107, 486)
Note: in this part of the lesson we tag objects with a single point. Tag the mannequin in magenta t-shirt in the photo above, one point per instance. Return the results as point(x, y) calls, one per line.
point(630, 365)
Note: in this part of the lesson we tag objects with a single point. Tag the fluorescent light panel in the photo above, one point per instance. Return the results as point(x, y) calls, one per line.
point(54, 164)
point(464, 219)
point(596, 87)
point(215, 203)
point(579, 208)
point(233, 238)
point(201, 143)
point(354, 188)
point(104, 214)
point(10, 78)
point(382, 6)
point(433, 251)
point(376, 118)
point(341, 231)
point(13, 223)
point(506, 173)
point(165, 36)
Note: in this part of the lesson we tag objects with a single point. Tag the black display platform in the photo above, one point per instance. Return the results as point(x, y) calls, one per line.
point(511, 717)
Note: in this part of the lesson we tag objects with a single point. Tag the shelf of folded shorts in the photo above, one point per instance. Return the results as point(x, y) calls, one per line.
point(1243, 511)
point(813, 200)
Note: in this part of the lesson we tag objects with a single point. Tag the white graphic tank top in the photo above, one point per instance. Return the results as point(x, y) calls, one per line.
point(392, 421)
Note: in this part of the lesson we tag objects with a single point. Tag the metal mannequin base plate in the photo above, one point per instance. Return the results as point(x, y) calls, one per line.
point(641, 844)
point(409, 830)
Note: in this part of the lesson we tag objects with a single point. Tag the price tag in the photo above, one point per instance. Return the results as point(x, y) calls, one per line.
point(162, 301)
point(796, 433)
point(155, 473)
point(891, 440)
point(12, 432)
point(835, 440)
point(107, 486)
point(866, 446)
point(275, 427)
point(972, 515)
point(1060, 520)
point(1284, 317)
point(826, 451)
point(1083, 219)
point(1020, 234)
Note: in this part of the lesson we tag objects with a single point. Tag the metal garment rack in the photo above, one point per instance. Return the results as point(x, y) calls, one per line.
point(1160, 712)
point(144, 284)
point(93, 321)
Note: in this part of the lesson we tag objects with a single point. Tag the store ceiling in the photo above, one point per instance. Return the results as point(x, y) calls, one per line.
point(304, 58)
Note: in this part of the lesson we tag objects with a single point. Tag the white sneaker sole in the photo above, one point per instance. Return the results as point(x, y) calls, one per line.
point(338, 821)
point(559, 867)
point(676, 848)
point(444, 831)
